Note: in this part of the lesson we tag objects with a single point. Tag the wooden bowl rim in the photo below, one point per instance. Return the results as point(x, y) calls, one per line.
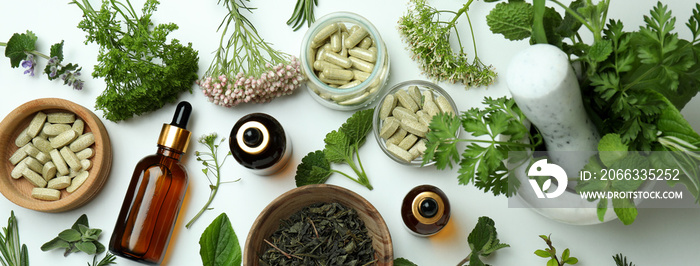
point(98, 174)
point(250, 245)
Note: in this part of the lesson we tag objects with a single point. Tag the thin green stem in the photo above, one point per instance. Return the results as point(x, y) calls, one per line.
point(471, 29)
point(505, 143)
point(577, 16)
point(3, 44)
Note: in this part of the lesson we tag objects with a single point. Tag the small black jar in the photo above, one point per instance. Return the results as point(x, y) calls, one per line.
point(425, 210)
point(259, 143)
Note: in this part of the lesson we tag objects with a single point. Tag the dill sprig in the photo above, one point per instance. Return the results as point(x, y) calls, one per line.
point(428, 38)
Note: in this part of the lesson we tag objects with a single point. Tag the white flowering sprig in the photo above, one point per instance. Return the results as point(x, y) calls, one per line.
point(428, 39)
point(246, 69)
point(212, 166)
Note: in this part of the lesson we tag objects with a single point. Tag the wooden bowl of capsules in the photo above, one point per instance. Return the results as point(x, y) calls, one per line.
point(55, 155)
point(319, 225)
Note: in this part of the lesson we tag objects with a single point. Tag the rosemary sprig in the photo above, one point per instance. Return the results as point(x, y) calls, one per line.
point(12, 253)
point(303, 12)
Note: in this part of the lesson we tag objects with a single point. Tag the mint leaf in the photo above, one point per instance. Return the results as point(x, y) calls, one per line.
point(625, 210)
point(358, 126)
point(337, 148)
point(218, 245)
point(600, 51)
point(18, 46)
point(313, 169)
point(403, 262)
point(483, 240)
point(512, 19)
point(611, 149)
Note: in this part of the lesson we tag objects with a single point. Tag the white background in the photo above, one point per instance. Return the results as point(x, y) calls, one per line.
point(658, 237)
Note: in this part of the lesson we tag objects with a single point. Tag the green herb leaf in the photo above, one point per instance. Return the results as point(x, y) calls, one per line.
point(621, 260)
point(611, 149)
point(542, 253)
point(82, 220)
point(69, 235)
point(12, 252)
point(313, 169)
point(512, 19)
point(337, 148)
point(403, 262)
point(625, 209)
point(87, 247)
point(441, 144)
point(54, 244)
point(57, 51)
point(18, 46)
point(219, 245)
point(107, 260)
point(357, 126)
point(483, 240)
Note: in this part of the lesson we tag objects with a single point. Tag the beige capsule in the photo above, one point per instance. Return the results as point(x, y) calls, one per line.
point(34, 178)
point(60, 118)
point(36, 124)
point(355, 37)
point(23, 138)
point(402, 113)
point(46, 194)
point(328, 81)
point(55, 129)
point(18, 170)
point(418, 149)
point(390, 125)
point(33, 164)
point(424, 118)
point(336, 42)
point(18, 156)
point(61, 165)
point(335, 58)
point(365, 43)
point(78, 181)
point(82, 142)
point(350, 84)
point(42, 144)
point(87, 164)
point(399, 153)
point(414, 92)
point(85, 154)
point(406, 101)
point(387, 106)
point(42, 157)
point(30, 149)
point(360, 64)
point(63, 139)
point(60, 182)
point(321, 65)
point(338, 74)
point(430, 108)
point(325, 32)
point(48, 171)
point(397, 137)
point(356, 100)
point(78, 126)
point(360, 75)
point(414, 127)
point(71, 159)
point(408, 141)
point(444, 105)
point(363, 54)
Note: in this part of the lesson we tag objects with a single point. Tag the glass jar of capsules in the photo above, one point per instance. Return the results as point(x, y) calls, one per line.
point(345, 61)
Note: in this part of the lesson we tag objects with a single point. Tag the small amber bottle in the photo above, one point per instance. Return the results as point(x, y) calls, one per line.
point(259, 143)
point(425, 210)
point(153, 199)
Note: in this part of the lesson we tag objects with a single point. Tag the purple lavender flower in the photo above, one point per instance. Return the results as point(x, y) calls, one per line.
point(29, 63)
point(71, 79)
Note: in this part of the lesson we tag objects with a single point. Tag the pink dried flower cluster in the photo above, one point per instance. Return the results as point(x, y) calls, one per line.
point(229, 91)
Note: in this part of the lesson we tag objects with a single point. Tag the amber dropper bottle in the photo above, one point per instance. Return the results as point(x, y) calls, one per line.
point(154, 196)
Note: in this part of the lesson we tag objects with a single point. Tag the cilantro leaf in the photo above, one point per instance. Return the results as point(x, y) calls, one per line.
point(18, 46)
point(441, 145)
point(313, 169)
point(512, 19)
point(483, 240)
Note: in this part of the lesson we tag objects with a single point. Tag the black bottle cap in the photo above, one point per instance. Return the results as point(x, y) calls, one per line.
point(182, 114)
point(428, 207)
point(252, 137)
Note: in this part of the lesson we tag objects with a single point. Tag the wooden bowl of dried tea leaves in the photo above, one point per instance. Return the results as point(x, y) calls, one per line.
point(315, 224)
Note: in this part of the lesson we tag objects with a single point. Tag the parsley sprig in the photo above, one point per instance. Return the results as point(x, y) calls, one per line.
point(428, 38)
point(484, 161)
point(142, 70)
point(342, 146)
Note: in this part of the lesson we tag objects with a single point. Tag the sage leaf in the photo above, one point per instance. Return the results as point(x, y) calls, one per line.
point(54, 244)
point(87, 247)
point(219, 244)
point(82, 220)
point(69, 235)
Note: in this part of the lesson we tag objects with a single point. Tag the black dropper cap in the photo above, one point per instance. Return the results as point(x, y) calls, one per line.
point(175, 135)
